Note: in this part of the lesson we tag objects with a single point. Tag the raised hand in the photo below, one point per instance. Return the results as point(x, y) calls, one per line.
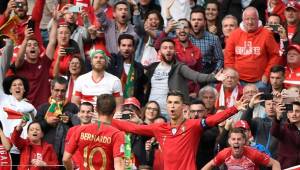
point(255, 100)
point(220, 76)
point(241, 104)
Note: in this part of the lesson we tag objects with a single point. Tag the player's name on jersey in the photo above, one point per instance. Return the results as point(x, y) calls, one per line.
point(95, 138)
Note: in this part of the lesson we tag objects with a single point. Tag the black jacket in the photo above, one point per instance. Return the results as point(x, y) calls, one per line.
point(116, 68)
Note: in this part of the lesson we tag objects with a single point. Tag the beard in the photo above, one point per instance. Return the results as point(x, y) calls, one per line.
point(168, 61)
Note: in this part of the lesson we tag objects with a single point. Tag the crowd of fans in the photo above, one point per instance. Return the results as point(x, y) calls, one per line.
point(149, 84)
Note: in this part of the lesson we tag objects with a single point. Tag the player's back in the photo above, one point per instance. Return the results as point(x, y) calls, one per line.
point(98, 145)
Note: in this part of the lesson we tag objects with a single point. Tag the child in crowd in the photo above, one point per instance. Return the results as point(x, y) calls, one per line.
point(36, 154)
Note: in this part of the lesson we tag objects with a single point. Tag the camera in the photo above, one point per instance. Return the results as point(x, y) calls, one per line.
point(126, 116)
point(266, 96)
point(31, 24)
point(70, 50)
point(288, 107)
point(274, 27)
point(19, 4)
point(75, 9)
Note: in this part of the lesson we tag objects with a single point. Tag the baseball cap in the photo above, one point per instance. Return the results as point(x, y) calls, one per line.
point(294, 46)
point(242, 124)
point(293, 4)
point(132, 101)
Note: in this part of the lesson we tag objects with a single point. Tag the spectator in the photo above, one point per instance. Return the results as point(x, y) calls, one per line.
point(114, 28)
point(244, 53)
point(230, 90)
point(65, 47)
point(35, 67)
point(150, 112)
point(287, 136)
point(293, 21)
point(209, 97)
point(169, 74)
point(182, 132)
point(148, 30)
point(197, 109)
point(292, 77)
point(260, 127)
point(85, 114)
point(34, 150)
point(88, 86)
point(274, 24)
point(56, 116)
point(110, 152)
point(145, 6)
point(211, 50)
point(15, 89)
point(186, 52)
point(275, 7)
point(229, 23)
point(213, 23)
point(276, 85)
point(240, 156)
point(130, 72)
point(21, 12)
point(76, 69)
point(5, 146)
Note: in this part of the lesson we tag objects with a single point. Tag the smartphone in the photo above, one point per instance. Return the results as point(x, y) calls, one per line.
point(266, 96)
point(288, 107)
point(74, 9)
point(19, 5)
point(274, 27)
point(126, 116)
point(31, 24)
point(70, 50)
point(179, 25)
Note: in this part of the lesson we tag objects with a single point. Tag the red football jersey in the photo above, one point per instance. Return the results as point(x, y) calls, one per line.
point(5, 159)
point(250, 160)
point(179, 144)
point(97, 146)
point(76, 158)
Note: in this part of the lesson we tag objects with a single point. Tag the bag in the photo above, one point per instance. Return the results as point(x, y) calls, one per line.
point(150, 54)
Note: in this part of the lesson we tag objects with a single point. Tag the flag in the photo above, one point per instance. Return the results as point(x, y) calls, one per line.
point(10, 29)
point(129, 86)
point(55, 109)
point(12, 114)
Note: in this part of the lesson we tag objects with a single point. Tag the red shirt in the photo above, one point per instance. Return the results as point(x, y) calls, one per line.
point(36, 153)
point(179, 145)
point(292, 77)
point(98, 146)
point(76, 158)
point(4, 159)
point(250, 160)
point(38, 77)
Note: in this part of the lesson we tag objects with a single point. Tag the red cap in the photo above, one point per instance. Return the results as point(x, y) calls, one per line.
point(133, 101)
point(293, 4)
point(242, 124)
point(294, 46)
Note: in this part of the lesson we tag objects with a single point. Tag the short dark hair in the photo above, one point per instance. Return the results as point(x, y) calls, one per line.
point(212, 2)
point(35, 122)
point(198, 9)
point(238, 130)
point(87, 104)
point(161, 117)
point(275, 15)
point(167, 40)
point(277, 69)
point(186, 20)
point(176, 93)
point(119, 3)
point(197, 101)
point(106, 104)
point(297, 103)
point(126, 36)
point(59, 80)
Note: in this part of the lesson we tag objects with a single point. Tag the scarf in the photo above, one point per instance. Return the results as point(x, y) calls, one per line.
point(233, 97)
point(55, 108)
